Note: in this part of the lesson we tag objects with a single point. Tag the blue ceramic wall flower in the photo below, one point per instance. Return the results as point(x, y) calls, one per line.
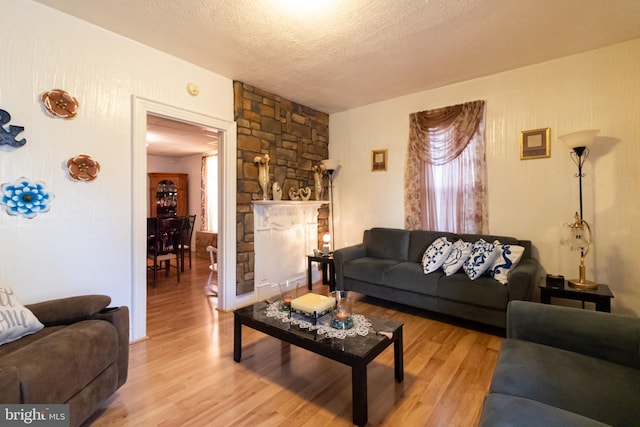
point(25, 198)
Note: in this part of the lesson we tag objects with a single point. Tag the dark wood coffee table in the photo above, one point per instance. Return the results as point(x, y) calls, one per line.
point(356, 351)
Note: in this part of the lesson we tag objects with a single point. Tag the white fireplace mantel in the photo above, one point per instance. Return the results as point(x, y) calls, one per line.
point(285, 232)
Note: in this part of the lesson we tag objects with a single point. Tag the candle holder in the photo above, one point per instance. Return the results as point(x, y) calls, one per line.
point(288, 291)
point(342, 316)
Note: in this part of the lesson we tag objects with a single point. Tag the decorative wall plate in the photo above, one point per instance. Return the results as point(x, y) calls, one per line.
point(8, 136)
point(59, 103)
point(83, 168)
point(25, 198)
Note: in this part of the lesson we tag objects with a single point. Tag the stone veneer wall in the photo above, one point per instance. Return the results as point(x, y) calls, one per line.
point(296, 138)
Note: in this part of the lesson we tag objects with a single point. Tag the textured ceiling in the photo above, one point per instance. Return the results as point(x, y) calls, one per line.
point(173, 138)
point(340, 54)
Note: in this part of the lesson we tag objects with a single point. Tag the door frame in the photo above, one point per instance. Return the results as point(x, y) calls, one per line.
point(226, 204)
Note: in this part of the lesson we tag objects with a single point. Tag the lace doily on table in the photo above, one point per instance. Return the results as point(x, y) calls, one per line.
point(361, 325)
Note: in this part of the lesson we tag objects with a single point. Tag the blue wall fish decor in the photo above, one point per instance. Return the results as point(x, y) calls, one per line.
point(8, 137)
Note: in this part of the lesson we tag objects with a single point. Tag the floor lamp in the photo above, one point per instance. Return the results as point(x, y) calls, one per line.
point(330, 165)
point(578, 143)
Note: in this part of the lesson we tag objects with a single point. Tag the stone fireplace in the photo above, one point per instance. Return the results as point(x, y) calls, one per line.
point(296, 138)
point(285, 232)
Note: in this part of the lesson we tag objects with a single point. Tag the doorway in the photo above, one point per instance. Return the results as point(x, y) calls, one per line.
point(182, 160)
point(226, 204)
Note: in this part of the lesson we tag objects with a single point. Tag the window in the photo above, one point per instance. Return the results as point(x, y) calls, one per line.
point(445, 175)
point(209, 190)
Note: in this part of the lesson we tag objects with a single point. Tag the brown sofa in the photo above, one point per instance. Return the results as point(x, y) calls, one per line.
point(79, 358)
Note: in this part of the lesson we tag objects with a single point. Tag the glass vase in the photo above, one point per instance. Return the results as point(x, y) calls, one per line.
point(288, 290)
point(342, 317)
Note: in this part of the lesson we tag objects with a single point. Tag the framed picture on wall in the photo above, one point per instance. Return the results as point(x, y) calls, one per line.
point(534, 144)
point(379, 160)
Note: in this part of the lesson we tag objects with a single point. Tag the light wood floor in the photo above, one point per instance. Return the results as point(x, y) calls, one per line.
point(184, 374)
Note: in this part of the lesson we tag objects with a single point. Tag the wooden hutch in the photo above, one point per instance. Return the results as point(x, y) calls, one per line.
point(168, 194)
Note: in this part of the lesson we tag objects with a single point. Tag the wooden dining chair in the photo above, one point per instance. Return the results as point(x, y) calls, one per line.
point(186, 236)
point(163, 244)
point(213, 267)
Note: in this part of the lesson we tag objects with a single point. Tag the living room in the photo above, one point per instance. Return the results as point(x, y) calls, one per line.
point(84, 244)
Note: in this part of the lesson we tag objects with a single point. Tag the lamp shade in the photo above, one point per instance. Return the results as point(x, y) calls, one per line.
point(583, 138)
point(330, 164)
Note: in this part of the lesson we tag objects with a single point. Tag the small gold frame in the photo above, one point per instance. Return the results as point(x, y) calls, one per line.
point(534, 144)
point(379, 160)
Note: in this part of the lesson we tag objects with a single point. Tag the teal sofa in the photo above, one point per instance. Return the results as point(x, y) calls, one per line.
point(387, 265)
point(562, 366)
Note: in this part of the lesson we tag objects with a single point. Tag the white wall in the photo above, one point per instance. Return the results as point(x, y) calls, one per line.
point(528, 199)
point(161, 164)
point(84, 244)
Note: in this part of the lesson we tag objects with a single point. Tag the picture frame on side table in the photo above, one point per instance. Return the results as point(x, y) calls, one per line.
point(379, 160)
point(534, 144)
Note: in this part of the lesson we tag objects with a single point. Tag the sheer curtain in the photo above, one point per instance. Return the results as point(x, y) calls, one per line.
point(209, 193)
point(445, 172)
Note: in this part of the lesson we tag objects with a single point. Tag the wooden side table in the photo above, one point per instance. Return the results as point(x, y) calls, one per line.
point(324, 262)
point(601, 296)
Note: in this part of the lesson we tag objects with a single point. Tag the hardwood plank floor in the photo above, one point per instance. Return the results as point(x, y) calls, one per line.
point(184, 374)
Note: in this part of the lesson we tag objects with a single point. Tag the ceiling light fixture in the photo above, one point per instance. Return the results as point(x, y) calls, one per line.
point(303, 7)
point(154, 137)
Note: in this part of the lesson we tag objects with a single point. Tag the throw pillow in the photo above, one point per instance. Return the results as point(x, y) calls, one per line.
point(508, 257)
point(482, 256)
point(436, 254)
point(460, 251)
point(16, 320)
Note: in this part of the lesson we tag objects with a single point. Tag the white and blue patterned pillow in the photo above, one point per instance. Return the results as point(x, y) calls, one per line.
point(508, 257)
point(12, 328)
point(436, 254)
point(460, 251)
point(482, 256)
